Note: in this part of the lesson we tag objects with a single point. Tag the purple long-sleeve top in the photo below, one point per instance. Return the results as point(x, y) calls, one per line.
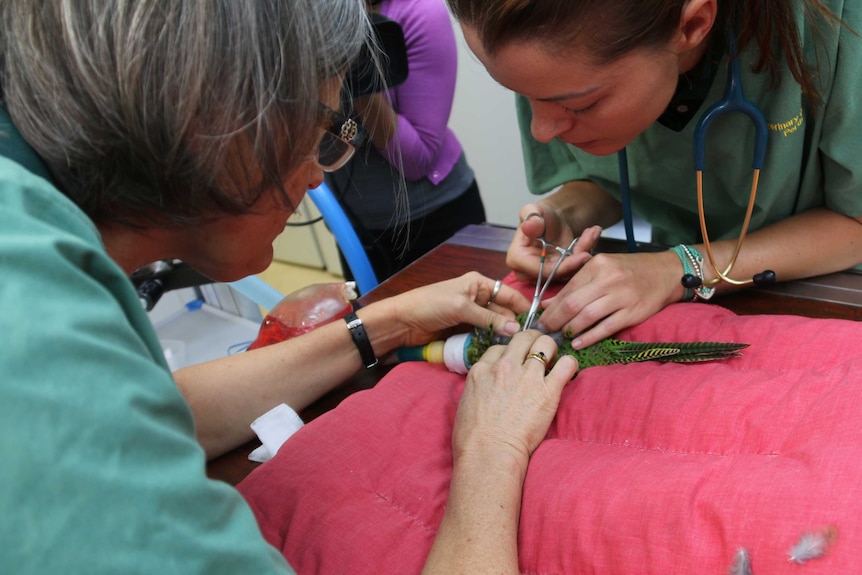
point(428, 148)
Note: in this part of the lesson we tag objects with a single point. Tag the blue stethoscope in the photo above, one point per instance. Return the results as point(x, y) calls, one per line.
point(733, 100)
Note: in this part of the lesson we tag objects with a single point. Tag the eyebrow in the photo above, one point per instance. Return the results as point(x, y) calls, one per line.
point(569, 95)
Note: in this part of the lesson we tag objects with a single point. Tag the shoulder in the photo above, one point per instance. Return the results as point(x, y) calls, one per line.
point(416, 16)
point(29, 199)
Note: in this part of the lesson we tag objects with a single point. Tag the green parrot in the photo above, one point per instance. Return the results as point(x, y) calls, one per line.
point(611, 351)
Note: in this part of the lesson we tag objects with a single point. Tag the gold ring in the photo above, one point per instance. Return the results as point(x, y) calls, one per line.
point(540, 357)
point(494, 292)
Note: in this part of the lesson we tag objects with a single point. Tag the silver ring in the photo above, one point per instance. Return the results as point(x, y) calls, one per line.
point(494, 292)
point(538, 356)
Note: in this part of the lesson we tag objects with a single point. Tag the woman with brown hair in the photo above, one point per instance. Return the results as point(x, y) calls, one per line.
point(595, 77)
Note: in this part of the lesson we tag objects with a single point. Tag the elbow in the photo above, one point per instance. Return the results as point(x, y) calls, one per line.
point(413, 168)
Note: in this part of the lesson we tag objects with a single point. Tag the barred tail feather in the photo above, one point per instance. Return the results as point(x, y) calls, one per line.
point(684, 352)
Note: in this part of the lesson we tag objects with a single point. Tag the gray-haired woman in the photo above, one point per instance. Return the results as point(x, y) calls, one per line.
point(135, 131)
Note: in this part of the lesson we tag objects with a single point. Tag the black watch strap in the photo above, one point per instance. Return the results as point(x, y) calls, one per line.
point(360, 338)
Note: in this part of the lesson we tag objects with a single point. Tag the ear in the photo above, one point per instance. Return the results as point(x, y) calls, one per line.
point(696, 22)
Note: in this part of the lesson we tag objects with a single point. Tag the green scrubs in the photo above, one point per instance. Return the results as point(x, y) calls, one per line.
point(100, 472)
point(812, 157)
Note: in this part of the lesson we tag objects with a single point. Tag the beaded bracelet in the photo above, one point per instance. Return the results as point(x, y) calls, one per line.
point(692, 279)
point(686, 270)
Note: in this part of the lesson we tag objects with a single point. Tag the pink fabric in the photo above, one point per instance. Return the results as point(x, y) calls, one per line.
point(648, 468)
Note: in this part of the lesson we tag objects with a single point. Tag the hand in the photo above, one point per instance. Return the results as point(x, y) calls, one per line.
point(525, 251)
point(612, 292)
point(507, 406)
point(426, 312)
point(509, 401)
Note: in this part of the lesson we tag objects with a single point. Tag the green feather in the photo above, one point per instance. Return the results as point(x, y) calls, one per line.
point(612, 351)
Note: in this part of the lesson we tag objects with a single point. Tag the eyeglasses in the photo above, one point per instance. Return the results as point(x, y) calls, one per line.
point(340, 139)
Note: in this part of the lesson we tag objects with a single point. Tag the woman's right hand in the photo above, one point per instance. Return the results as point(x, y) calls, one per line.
point(509, 399)
point(525, 251)
point(429, 312)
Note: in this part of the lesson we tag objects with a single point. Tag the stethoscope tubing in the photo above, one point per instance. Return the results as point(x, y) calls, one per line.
point(733, 101)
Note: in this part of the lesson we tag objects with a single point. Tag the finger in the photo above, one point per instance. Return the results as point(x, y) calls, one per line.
point(521, 276)
point(564, 369)
point(532, 221)
point(568, 309)
point(541, 353)
point(492, 354)
point(494, 291)
point(520, 344)
point(580, 254)
point(524, 261)
point(570, 265)
point(589, 238)
point(501, 313)
point(596, 333)
point(537, 360)
point(510, 298)
point(502, 324)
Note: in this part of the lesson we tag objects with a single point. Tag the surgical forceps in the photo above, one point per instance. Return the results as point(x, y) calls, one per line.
point(540, 288)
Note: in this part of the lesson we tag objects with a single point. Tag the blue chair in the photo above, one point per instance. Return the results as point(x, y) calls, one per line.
point(335, 218)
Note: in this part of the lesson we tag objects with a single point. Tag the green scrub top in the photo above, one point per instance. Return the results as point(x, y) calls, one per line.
point(812, 155)
point(100, 471)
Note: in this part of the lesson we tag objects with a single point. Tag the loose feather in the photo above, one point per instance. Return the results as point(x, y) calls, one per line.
point(812, 545)
point(741, 563)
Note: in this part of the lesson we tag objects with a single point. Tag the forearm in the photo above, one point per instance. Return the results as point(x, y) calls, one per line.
point(479, 531)
point(228, 394)
point(582, 204)
point(812, 243)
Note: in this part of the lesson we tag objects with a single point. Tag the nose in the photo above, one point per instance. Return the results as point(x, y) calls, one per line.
point(549, 121)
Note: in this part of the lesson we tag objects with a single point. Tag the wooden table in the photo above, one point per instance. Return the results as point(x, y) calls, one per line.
point(483, 249)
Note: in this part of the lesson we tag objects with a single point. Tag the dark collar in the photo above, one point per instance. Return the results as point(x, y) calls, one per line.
point(693, 87)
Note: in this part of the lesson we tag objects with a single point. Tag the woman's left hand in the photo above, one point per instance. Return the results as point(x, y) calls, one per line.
point(511, 396)
point(612, 292)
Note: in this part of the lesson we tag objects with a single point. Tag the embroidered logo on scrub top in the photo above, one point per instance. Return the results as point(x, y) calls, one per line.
point(787, 128)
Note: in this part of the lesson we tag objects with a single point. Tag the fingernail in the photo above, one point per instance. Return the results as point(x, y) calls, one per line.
point(511, 327)
point(541, 327)
point(577, 344)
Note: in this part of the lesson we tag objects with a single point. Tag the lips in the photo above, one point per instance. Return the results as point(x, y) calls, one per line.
point(597, 147)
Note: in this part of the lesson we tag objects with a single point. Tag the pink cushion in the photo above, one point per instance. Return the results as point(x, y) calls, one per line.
point(648, 468)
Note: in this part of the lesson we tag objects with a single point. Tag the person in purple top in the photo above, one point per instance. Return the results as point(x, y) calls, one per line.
point(411, 187)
